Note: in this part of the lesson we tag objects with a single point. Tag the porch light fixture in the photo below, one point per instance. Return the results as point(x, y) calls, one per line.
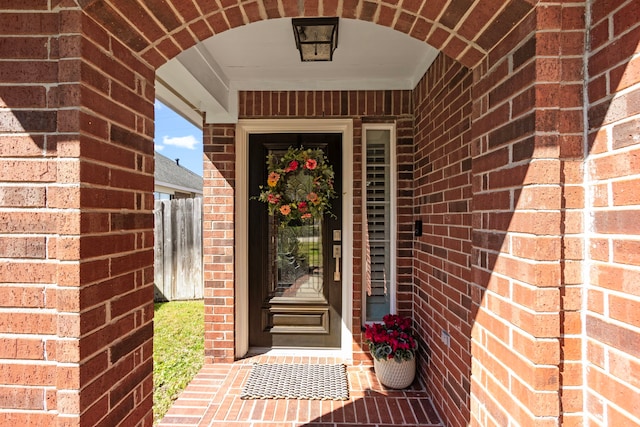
point(316, 38)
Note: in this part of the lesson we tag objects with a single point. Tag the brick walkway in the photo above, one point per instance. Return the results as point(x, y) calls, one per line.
point(212, 399)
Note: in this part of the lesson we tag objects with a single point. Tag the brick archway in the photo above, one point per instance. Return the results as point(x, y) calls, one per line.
point(465, 32)
point(76, 252)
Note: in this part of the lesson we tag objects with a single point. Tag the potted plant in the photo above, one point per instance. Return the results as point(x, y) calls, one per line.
point(393, 348)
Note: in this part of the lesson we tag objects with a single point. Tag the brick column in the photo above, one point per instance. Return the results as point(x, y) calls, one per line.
point(108, 282)
point(218, 242)
point(77, 230)
point(527, 209)
point(564, 88)
point(532, 232)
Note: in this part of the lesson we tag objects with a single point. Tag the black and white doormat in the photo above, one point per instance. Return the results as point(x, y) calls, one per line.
point(297, 381)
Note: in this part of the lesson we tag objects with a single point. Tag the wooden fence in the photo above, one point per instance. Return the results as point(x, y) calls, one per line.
point(178, 249)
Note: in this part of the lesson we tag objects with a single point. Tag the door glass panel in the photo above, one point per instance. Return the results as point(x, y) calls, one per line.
point(297, 273)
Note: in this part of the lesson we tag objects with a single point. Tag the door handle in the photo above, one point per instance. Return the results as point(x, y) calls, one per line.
point(337, 254)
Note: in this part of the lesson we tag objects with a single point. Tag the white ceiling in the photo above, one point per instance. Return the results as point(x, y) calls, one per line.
point(263, 56)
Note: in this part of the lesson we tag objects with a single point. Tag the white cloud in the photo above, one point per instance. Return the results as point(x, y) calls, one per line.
point(158, 147)
point(188, 141)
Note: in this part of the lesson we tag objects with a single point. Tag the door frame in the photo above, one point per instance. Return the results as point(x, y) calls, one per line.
point(246, 127)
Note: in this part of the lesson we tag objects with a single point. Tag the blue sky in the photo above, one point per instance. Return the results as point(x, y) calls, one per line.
point(176, 138)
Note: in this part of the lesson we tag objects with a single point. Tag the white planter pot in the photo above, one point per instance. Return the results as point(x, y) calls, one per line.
point(394, 374)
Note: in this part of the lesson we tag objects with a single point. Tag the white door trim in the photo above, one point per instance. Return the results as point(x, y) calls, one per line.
point(243, 129)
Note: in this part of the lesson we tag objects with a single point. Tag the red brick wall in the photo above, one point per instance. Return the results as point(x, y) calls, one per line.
point(29, 169)
point(111, 140)
point(527, 133)
point(442, 256)
point(76, 203)
point(613, 188)
point(79, 133)
point(76, 99)
point(362, 106)
point(566, 27)
point(514, 335)
point(218, 242)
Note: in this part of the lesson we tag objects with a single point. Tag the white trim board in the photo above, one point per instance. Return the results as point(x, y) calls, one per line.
point(243, 130)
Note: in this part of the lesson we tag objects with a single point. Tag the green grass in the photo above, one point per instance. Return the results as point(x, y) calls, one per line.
point(178, 350)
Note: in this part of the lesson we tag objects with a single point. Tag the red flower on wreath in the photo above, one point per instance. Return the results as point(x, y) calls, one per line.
point(293, 165)
point(272, 198)
point(310, 164)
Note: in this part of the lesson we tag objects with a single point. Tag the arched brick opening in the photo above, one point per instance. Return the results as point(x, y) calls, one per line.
point(76, 115)
point(464, 32)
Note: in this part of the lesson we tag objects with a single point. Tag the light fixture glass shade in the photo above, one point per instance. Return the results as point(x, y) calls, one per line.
point(316, 38)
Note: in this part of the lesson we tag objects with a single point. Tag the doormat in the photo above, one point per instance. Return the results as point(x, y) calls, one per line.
point(297, 381)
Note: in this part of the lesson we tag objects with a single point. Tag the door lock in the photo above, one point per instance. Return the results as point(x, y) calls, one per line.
point(337, 251)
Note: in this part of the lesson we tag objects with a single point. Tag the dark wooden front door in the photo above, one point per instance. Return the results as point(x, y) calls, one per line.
point(295, 296)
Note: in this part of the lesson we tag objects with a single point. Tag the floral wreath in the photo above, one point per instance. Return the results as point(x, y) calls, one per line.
point(299, 185)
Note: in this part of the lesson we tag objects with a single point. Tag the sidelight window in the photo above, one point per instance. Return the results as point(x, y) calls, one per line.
point(379, 229)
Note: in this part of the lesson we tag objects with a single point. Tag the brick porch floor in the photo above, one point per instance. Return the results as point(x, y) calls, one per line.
point(212, 399)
